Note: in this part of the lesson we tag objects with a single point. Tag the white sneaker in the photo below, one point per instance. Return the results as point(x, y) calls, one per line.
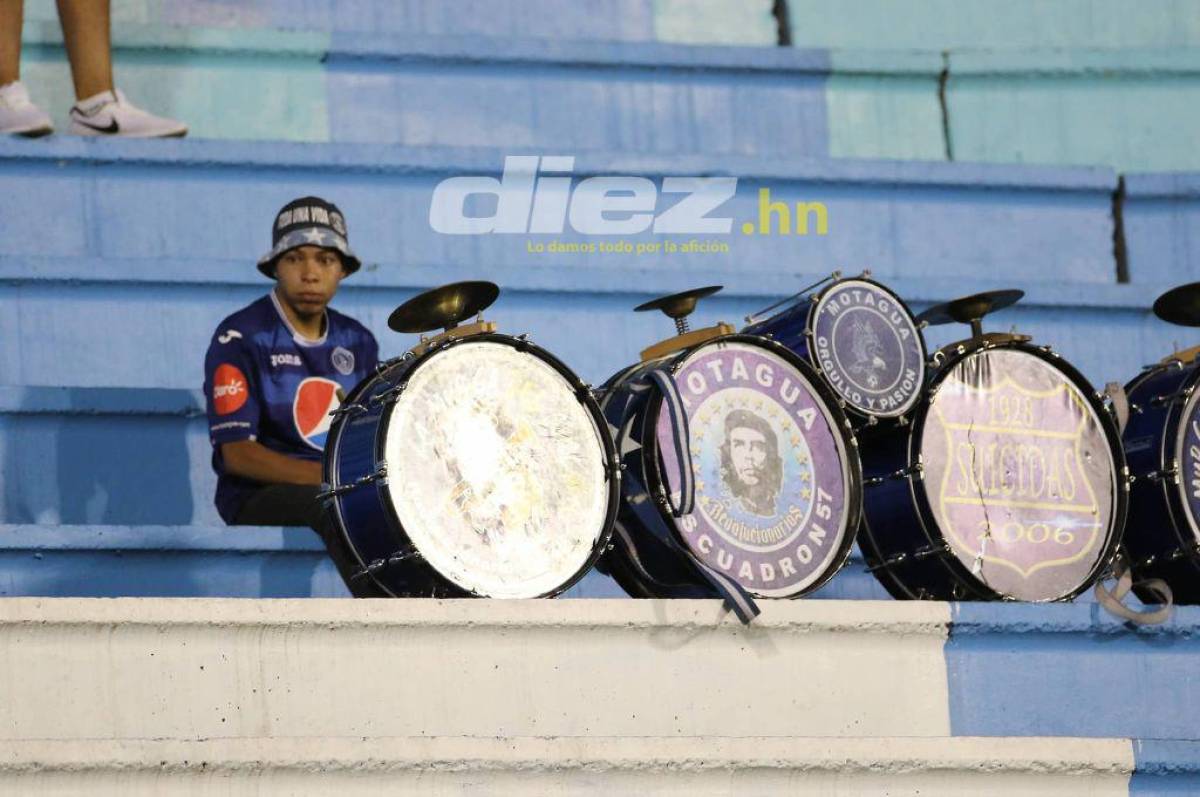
point(110, 114)
point(19, 116)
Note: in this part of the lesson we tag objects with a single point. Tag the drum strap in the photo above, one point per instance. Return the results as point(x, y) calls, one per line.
point(638, 498)
point(1113, 601)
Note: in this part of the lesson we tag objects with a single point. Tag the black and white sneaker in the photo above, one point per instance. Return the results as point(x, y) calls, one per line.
point(110, 114)
point(19, 116)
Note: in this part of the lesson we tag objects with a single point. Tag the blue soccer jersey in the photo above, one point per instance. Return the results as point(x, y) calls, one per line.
point(264, 381)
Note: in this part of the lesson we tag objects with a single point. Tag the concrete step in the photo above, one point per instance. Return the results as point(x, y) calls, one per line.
point(76, 669)
point(568, 766)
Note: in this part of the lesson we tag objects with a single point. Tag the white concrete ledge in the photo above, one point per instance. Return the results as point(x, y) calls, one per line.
point(204, 668)
point(648, 765)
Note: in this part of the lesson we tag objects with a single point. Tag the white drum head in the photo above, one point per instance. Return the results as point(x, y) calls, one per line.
point(496, 471)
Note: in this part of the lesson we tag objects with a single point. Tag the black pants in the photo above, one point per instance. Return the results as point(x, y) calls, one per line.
point(297, 505)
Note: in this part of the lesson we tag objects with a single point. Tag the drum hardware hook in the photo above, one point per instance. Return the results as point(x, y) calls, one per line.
point(363, 481)
point(890, 561)
point(866, 273)
point(388, 395)
point(347, 409)
point(931, 550)
point(377, 565)
point(872, 420)
point(1171, 474)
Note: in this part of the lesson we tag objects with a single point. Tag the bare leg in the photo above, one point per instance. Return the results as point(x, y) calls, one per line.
point(85, 25)
point(12, 13)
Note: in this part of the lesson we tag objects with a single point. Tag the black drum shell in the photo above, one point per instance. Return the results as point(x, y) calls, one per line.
point(364, 516)
point(900, 539)
point(654, 570)
point(1159, 539)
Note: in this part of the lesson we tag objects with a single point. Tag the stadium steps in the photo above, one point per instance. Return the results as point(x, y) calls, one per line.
point(104, 561)
point(850, 695)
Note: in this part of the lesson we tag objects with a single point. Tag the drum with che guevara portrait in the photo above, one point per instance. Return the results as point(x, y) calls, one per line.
point(1010, 484)
point(477, 464)
point(740, 472)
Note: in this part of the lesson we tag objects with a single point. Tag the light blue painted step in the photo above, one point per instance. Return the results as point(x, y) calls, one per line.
point(105, 561)
point(993, 24)
point(1133, 110)
point(458, 90)
point(692, 21)
point(1162, 228)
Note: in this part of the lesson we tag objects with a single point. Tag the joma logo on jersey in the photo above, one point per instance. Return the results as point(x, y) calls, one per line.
point(284, 359)
point(535, 195)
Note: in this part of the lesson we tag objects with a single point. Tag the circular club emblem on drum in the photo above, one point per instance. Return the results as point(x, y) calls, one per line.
point(770, 472)
point(1019, 474)
point(869, 348)
point(315, 399)
point(1188, 457)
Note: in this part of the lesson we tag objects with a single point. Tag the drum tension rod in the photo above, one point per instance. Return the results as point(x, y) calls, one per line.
point(1171, 398)
point(890, 561)
point(931, 550)
point(347, 409)
point(342, 489)
point(377, 565)
point(387, 395)
point(914, 469)
point(1170, 474)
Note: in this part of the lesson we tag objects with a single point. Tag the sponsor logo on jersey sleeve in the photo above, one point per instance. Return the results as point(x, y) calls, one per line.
point(230, 389)
point(315, 399)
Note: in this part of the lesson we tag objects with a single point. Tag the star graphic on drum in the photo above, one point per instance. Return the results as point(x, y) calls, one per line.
point(315, 399)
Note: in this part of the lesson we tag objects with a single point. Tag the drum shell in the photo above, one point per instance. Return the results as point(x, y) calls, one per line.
point(794, 328)
point(1159, 540)
point(365, 516)
point(658, 571)
point(898, 516)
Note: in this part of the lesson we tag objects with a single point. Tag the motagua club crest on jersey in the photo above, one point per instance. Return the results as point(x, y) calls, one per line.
point(868, 347)
point(770, 492)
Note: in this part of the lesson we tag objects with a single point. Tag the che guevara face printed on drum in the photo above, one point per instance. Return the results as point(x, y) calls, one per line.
point(1019, 474)
point(770, 470)
point(869, 348)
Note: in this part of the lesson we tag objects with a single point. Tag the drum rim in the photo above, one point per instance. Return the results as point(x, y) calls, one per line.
point(1173, 433)
point(923, 375)
point(920, 495)
point(591, 406)
point(848, 440)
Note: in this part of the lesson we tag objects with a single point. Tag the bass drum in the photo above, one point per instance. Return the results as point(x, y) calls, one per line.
point(777, 480)
point(1009, 485)
point(482, 467)
point(863, 341)
point(1162, 441)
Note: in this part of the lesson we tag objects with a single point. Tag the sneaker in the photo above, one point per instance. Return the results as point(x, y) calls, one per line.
point(19, 116)
point(110, 114)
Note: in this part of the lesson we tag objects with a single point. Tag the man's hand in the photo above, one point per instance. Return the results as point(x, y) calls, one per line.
point(252, 460)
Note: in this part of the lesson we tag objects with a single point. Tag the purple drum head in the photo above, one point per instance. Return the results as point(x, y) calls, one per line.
point(1188, 456)
point(772, 480)
point(869, 348)
point(1019, 474)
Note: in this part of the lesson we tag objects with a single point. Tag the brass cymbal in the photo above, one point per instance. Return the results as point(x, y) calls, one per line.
point(678, 305)
point(1180, 305)
point(970, 309)
point(444, 307)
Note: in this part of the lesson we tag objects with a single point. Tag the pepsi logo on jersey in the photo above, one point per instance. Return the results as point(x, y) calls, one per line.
point(315, 399)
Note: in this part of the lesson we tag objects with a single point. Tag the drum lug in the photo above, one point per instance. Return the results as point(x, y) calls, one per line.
point(914, 469)
point(328, 492)
point(377, 565)
point(523, 342)
point(347, 409)
point(890, 561)
point(1170, 474)
point(931, 550)
point(872, 420)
